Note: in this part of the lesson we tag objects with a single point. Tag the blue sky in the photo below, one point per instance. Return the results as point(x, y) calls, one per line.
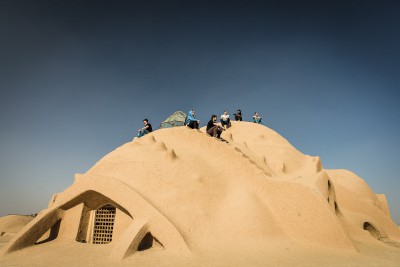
point(78, 77)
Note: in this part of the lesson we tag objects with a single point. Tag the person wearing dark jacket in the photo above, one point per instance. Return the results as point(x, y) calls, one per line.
point(213, 128)
point(238, 115)
point(146, 129)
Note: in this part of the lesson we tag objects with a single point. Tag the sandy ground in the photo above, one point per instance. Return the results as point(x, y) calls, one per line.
point(278, 253)
point(10, 225)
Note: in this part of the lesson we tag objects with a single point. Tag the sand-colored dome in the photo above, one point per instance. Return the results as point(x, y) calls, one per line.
point(180, 190)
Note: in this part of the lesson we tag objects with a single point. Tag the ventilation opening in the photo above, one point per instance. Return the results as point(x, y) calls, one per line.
point(50, 235)
point(104, 224)
point(331, 197)
point(329, 191)
point(337, 211)
point(149, 242)
point(377, 235)
point(372, 230)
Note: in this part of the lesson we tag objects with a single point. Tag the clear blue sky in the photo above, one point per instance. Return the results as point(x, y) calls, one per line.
point(78, 77)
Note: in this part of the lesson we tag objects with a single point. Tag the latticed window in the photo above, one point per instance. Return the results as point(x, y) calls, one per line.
point(104, 225)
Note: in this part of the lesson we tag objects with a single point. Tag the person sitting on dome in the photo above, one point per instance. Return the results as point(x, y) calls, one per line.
point(213, 128)
point(257, 118)
point(146, 129)
point(225, 120)
point(238, 115)
point(191, 120)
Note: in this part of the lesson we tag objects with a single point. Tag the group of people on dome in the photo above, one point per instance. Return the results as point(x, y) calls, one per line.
point(213, 128)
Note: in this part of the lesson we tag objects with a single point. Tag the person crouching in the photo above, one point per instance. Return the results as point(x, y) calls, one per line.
point(213, 128)
point(225, 120)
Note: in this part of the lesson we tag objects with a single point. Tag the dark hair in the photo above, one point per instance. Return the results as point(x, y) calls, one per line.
point(239, 111)
point(213, 116)
point(146, 120)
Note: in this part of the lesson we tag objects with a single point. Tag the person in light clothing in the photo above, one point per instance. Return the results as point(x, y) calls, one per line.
point(225, 120)
point(257, 118)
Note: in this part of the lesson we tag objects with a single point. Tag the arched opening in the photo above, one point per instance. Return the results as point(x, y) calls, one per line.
point(149, 242)
point(104, 224)
point(378, 236)
point(372, 230)
point(51, 235)
point(101, 219)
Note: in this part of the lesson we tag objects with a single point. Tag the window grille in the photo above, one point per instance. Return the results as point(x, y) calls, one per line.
point(104, 225)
